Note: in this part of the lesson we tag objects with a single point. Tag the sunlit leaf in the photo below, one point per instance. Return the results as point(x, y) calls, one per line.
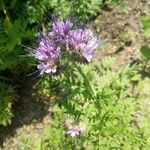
point(146, 25)
point(145, 50)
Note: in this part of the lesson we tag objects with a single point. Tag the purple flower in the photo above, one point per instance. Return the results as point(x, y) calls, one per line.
point(84, 42)
point(73, 130)
point(61, 29)
point(63, 36)
point(47, 50)
point(47, 53)
point(48, 67)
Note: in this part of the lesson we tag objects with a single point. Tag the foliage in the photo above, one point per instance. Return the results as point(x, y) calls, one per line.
point(144, 110)
point(145, 50)
point(92, 98)
point(80, 8)
point(110, 121)
point(10, 44)
point(146, 25)
point(5, 103)
point(90, 8)
point(14, 30)
point(18, 25)
point(106, 109)
point(94, 107)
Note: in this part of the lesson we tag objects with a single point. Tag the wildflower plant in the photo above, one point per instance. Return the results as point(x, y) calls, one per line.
point(92, 109)
point(62, 51)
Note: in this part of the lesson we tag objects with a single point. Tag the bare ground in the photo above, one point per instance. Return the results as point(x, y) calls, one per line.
point(121, 30)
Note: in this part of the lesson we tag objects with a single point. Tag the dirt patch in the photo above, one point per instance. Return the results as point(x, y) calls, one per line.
point(122, 31)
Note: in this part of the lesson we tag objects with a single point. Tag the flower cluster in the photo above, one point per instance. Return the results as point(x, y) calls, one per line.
point(63, 36)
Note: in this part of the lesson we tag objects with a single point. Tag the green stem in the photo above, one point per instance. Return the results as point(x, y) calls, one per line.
point(91, 92)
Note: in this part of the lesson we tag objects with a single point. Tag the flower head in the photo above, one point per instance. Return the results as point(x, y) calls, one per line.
point(61, 29)
point(84, 42)
point(46, 53)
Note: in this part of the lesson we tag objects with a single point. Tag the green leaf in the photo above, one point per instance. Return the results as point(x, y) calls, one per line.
point(146, 25)
point(5, 104)
point(145, 50)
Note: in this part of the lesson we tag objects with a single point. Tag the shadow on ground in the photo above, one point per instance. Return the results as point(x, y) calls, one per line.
point(30, 109)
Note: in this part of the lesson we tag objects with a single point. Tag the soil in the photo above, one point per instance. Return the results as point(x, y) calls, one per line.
point(121, 30)
point(122, 33)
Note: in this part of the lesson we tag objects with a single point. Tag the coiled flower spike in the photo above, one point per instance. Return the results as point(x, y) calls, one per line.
point(47, 53)
point(61, 29)
point(83, 42)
